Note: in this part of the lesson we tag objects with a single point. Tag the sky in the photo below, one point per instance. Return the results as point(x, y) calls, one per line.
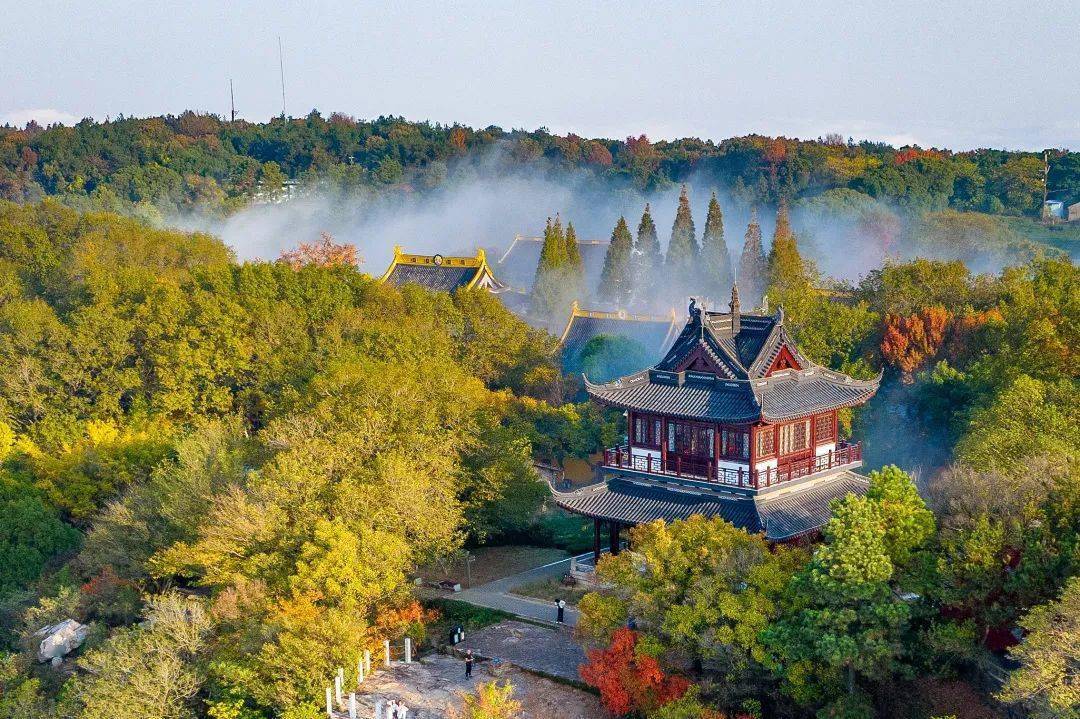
point(960, 75)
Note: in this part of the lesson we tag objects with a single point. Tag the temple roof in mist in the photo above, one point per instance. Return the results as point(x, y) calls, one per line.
point(517, 266)
point(441, 273)
point(797, 511)
point(653, 332)
point(736, 368)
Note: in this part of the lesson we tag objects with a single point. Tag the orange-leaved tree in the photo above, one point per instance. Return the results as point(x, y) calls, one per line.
point(629, 680)
point(909, 342)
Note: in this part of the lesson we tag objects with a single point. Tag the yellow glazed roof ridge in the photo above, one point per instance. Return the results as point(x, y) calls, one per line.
point(478, 261)
point(576, 311)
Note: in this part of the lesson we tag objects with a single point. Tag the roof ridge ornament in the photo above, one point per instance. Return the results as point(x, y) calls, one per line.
point(694, 311)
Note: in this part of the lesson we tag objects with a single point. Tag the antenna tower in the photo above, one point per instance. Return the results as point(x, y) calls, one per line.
point(281, 65)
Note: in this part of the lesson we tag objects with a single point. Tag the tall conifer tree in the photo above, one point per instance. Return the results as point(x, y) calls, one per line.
point(548, 286)
point(791, 278)
point(715, 259)
point(616, 279)
point(682, 252)
point(575, 267)
point(649, 260)
point(753, 268)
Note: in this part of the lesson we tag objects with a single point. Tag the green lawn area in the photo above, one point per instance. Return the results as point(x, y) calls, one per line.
point(550, 590)
point(1063, 236)
point(491, 563)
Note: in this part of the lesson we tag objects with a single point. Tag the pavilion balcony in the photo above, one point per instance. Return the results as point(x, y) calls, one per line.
point(845, 456)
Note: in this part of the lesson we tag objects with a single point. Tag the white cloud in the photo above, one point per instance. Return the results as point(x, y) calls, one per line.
point(44, 116)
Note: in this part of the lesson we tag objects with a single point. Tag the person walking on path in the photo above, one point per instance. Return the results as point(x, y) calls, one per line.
point(560, 611)
point(468, 664)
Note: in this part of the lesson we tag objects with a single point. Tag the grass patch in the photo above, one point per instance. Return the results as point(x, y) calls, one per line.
point(559, 528)
point(550, 590)
point(471, 617)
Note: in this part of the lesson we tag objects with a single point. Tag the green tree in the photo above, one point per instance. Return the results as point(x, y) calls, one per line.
point(1001, 437)
point(575, 267)
point(549, 288)
point(491, 700)
point(1048, 678)
point(699, 586)
point(617, 276)
point(753, 269)
point(843, 627)
point(31, 535)
point(683, 251)
point(607, 357)
point(153, 671)
point(649, 260)
point(715, 260)
point(790, 277)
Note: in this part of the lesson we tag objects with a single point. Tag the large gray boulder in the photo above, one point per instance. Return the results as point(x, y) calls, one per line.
point(59, 640)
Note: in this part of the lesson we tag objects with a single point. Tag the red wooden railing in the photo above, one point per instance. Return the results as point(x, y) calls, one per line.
point(704, 469)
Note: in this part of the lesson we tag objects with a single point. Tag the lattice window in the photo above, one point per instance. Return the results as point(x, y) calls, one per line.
point(766, 442)
point(823, 429)
point(795, 437)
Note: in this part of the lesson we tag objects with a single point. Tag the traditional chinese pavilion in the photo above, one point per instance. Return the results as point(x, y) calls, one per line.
point(733, 422)
point(441, 272)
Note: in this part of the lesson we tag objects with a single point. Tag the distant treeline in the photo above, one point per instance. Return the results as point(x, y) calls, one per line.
point(200, 160)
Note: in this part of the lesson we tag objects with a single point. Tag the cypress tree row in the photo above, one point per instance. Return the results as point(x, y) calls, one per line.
point(617, 277)
point(715, 259)
point(753, 268)
point(682, 252)
point(649, 259)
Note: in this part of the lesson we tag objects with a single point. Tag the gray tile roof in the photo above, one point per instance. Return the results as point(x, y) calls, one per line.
point(782, 515)
point(432, 277)
point(805, 509)
point(652, 334)
point(718, 401)
point(800, 394)
point(639, 502)
point(517, 266)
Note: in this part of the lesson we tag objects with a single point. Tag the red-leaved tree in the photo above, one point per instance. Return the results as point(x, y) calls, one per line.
point(908, 343)
point(630, 682)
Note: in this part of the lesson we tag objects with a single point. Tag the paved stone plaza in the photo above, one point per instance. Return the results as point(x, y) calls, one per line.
point(432, 688)
point(538, 649)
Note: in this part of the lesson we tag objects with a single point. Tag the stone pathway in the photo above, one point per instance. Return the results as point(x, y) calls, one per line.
point(498, 594)
point(432, 689)
point(537, 649)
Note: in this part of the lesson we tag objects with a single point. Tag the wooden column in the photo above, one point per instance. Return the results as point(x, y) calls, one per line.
point(753, 448)
point(596, 542)
point(613, 529)
point(663, 444)
point(716, 451)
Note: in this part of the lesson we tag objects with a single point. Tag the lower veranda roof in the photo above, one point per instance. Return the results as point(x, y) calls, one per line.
point(780, 515)
point(694, 395)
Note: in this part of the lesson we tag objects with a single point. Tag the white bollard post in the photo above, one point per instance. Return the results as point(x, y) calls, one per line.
point(367, 661)
point(378, 708)
point(360, 670)
point(352, 705)
point(329, 703)
point(408, 650)
point(386, 649)
point(337, 691)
